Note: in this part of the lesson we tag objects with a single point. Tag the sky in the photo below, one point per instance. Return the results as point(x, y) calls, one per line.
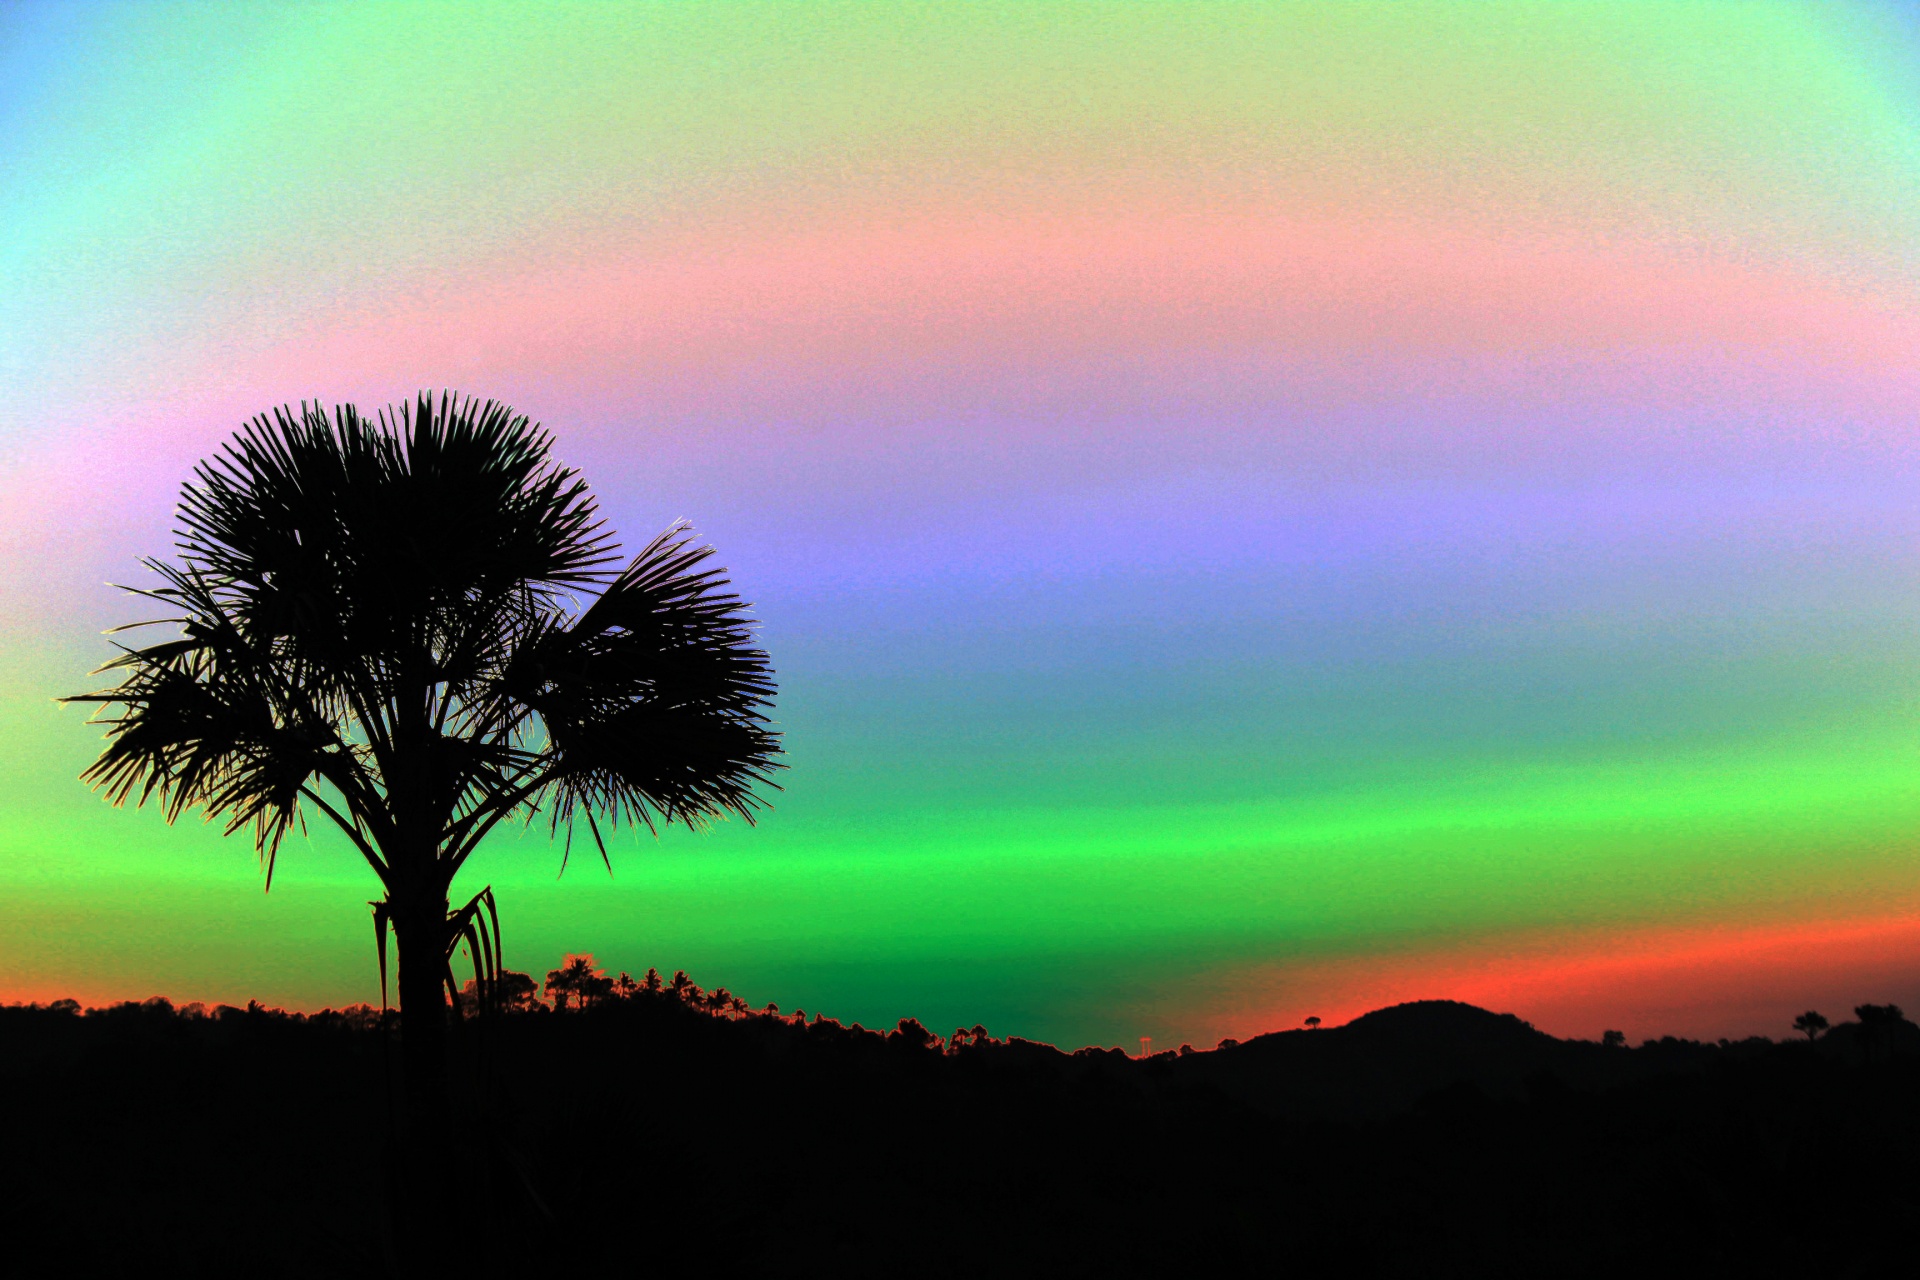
point(1258, 510)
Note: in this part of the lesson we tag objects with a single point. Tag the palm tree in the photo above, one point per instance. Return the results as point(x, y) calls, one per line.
point(418, 627)
point(577, 977)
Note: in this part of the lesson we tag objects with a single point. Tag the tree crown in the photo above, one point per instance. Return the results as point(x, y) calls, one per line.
point(419, 626)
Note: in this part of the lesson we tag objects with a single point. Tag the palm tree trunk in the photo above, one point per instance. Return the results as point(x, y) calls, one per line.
point(420, 937)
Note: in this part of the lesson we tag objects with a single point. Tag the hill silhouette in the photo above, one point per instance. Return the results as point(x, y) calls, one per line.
point(1381, 1062)
point(1386, 1061)
point(664, 1133)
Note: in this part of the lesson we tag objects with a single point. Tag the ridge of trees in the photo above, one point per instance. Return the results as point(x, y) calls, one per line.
point(580, 985)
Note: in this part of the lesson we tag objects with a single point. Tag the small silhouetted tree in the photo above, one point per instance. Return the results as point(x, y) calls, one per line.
point(1877, 1022)
point(512, 993)
point(578, 978)
point(1613, 1039)
point(518, 992)
point(597, 989)
point(911, 1033)
point(1312, 1023)
point(562, 984)
point(965, 1038)
point(1810, 1024)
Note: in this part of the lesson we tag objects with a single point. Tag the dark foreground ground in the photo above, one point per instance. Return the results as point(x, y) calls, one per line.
point(647, 1138)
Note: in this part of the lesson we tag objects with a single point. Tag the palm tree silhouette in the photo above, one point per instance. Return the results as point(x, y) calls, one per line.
point(418, 627)
point(580, 978)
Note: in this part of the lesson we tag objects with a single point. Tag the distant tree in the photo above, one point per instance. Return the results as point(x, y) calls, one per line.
point(560, 986)
point(1227, 1043)
point(378, 623)
point(624, 986)
point(1877, 1022)
point(966, 1038)
point(911, 1033)
point(1810, 1024)
point(651, 983)
point(1613, 1039)
point(578, 978)
point(513, 993)
point(1312, 1023)
point(519, 993)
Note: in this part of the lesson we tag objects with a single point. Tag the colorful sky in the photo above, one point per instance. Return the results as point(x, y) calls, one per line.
point(1259, 510)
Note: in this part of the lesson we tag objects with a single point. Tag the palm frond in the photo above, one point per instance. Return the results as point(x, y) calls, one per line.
point(654, 700)
point(204, 723)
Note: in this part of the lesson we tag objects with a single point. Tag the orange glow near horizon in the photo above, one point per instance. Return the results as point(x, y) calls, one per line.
point(1696, 982)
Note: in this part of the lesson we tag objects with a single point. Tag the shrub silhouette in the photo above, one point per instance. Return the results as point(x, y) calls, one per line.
point(1810, 1024)
point(377, 624)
